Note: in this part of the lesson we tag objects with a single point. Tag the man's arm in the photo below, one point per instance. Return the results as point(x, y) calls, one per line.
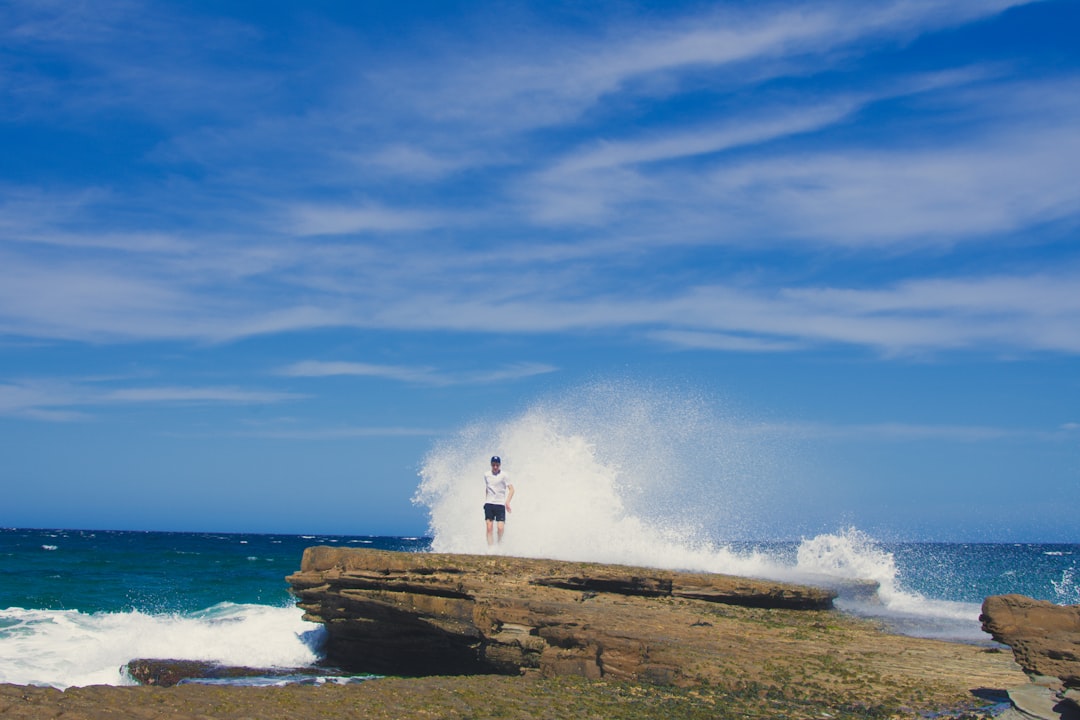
point(509, 495)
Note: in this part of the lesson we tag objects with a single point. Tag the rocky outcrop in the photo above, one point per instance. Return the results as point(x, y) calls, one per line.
point(167, 673)
point(426, 613)
point(1045, 638)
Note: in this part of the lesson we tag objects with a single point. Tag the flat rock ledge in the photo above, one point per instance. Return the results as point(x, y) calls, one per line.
point(418, 614)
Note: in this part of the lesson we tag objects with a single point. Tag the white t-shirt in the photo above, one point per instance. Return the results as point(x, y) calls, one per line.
point(496, 487)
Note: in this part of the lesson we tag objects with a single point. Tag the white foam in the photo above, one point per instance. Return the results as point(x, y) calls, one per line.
point(855, 556)
point(1067, 588)
point(613, 473)
point(65, 648)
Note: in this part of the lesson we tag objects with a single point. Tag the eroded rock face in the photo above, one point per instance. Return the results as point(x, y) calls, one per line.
point(1045, 638)
point(426, 613)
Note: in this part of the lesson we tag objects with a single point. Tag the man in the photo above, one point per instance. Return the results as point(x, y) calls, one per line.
point(499, 492)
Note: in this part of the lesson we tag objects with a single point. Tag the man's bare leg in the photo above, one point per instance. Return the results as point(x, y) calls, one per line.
point(490, 535)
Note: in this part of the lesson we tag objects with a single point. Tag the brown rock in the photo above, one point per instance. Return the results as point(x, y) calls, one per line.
point(426, 613)
point(1044, 637)
point(167, 673)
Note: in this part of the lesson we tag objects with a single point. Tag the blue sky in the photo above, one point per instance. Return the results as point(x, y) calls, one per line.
point(258, 258)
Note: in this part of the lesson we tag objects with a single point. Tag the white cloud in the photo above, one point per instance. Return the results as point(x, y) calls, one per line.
point(540, 79)
point(411, 161)
point(937, 195)
point(68, 400)
point(906, 432)
point(598, 183)
point(517, 371)
point(385, 287)
point(682, 144)
point(319, 368)
point(1028, 313)
point(338, 220)
point(193, 395)
point(727, 342)
point(30, 215)
point(1024, 313)
point(283, 261)
point(417, 375)
point(1014, 168)
point(144, 58)
point(38, 401)
point(85, 300)
point(340, 433)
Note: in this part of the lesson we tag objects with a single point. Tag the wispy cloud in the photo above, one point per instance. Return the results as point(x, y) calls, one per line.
point(682, 143)
point(340, 220)
point(941, 195)
point(416, 375)
point(410, 161)
point(909, 432)
point(60, 218)
point(1024, 311)
point(63, 400)
point(1014, 169)
point(339, 433)
point(318, 368)
point(38, 401)
point(194, 395)
point(1033, 312)
point(729, 342)
point(151, 60)
point(293, 226)
point(537, 80)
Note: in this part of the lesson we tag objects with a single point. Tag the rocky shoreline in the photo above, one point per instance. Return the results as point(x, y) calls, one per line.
point(519, 638)
point(438, 614)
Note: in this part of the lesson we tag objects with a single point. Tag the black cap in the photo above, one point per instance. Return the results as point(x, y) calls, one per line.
point(496, 458)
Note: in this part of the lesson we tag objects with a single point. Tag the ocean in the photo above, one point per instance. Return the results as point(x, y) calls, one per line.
point(76, 605)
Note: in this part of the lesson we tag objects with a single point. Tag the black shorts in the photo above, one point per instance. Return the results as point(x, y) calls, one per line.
point(494, 512)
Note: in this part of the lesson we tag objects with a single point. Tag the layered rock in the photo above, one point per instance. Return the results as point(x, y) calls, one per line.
point(1045, 638)
point(426, 613)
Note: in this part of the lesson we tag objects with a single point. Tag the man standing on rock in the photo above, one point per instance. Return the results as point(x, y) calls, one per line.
point(499, 491)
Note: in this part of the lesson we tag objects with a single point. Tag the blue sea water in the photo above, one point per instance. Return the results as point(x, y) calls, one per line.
point(157, 572)
point(76, 605)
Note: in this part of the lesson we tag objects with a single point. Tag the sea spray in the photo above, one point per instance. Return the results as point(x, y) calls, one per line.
point(852, 555)
point(1067, 589)
point(849, 555)
point(617, 473)
point(611, 472)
